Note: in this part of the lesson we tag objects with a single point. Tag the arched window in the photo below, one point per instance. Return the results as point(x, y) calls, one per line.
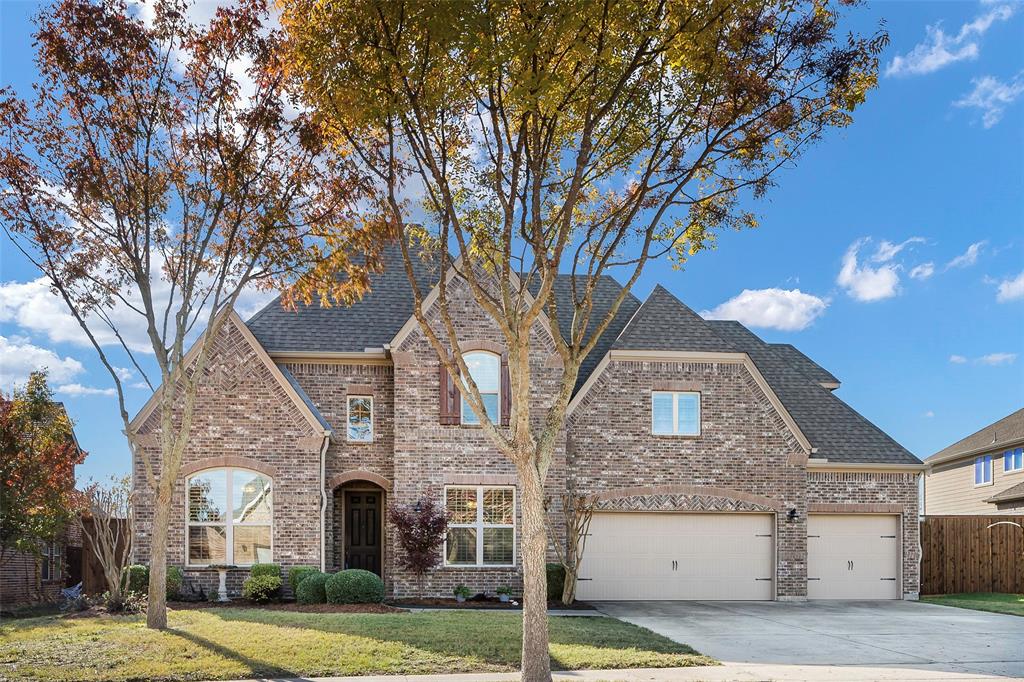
point(485, 368)
point(230, 518)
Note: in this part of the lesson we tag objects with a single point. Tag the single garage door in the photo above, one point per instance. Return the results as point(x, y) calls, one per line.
point(853, 556)
point(639, 555)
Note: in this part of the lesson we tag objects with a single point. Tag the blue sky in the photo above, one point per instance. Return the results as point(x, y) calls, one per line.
point(893, 254)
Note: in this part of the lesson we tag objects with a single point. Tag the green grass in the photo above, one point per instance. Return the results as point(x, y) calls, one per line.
point(227, 643)
point(996, 602)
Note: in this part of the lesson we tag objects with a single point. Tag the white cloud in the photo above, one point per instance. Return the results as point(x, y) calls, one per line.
point(788, 310)
point(865, 283)
point(922, 271)
point(997, 358)
point(992, 96)
point(1011, 289)
point(940, 49)
point(123, 373)
point(957, 359)
point(929, 414)
point(19, 358)
point(139, 384)
point(77, 390)
point(968, 257)
point(33, 306)
point(887, 250)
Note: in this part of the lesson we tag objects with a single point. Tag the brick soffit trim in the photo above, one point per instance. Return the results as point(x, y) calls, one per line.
point(697, 490)
point(228, 461)
point(358, 475)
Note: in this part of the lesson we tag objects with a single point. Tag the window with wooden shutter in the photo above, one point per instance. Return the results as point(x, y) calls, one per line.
point(448, 397)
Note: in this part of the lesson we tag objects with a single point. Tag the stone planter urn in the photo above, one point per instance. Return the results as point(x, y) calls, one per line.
point(222, 588)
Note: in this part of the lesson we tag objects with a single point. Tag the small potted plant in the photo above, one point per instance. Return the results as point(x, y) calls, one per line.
point(461, 593)
point(504, 593)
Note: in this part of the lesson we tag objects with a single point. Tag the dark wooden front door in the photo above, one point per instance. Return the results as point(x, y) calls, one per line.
point(362, 530)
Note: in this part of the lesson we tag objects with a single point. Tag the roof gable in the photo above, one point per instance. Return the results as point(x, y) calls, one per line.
point(663, 322)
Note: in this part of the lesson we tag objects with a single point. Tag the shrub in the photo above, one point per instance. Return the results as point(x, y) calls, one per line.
point(261, 588)
point(503, 589)
point(556, 581)
point(296, 574)
point(258, 570)
point(354, 586)
point(312, 589)
point(421, 529)
point(461, 591)
point(175, 577)
point(136, 579)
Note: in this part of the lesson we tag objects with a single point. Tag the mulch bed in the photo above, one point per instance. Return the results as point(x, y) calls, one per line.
point(490, 603)
point(287, 606)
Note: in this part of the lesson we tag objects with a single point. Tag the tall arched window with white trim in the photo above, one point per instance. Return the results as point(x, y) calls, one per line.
point(230, 518)
point(485, 368)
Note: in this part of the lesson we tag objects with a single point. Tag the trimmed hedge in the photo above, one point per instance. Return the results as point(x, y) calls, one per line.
point(312, 589)
point(556, 581)
point(136, 578)
point(175, 576)
point(296, 574)
point(272, 570)
point(261, 588)
point(354, 586)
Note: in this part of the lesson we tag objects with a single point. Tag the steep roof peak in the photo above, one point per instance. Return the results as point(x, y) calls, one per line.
point(663, 322)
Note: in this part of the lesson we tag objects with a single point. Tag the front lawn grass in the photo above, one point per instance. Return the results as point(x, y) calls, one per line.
point(227, 643)
point(996, 602)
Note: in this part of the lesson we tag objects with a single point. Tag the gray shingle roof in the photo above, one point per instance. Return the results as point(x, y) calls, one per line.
point(303, 396)
point(1015, 492)
point(839, 432)
point(804, 364)
point(664, 323)
point(1009, 429)
point(369, 323)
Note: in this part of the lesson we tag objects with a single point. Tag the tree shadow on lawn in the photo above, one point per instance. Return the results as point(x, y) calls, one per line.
point(257, 668)
point(492, 638)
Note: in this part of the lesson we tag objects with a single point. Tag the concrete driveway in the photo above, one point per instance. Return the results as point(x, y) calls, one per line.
point(839, 640)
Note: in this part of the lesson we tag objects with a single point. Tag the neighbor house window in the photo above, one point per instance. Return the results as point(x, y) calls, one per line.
point(481, 526)
point(360, 419)
point(675, 413)
point(230, 512)
point(49, 568)
point(485, 368)
point(983, 470)
point(1013, 460)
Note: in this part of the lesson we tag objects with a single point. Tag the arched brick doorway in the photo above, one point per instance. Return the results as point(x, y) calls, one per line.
point(358, 521)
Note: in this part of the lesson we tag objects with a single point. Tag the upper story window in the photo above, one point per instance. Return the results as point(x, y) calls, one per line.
point(481, 526)
point(485, 368)
point(983, 470)
point(360, 419)
point(1013, 460)
point(675, 413)
point(230, 518)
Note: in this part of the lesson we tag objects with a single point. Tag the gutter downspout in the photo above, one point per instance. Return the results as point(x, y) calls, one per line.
point(323, 499)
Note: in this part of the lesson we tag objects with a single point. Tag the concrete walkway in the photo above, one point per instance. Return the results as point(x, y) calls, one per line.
point(838, 640)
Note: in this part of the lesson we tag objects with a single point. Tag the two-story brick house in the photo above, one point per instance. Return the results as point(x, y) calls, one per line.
point(725, 467)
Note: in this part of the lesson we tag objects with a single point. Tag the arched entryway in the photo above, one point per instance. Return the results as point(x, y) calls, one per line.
point(359, 501)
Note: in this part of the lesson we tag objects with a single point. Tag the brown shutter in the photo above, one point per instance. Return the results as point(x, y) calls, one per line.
point(448, 397)
point(506, 391)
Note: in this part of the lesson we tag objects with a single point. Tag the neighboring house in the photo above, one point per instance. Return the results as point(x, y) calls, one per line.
point(27, 578)
point(725, 467)
point(981, 474)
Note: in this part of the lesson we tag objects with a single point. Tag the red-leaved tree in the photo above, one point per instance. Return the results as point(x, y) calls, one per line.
point(421, 529)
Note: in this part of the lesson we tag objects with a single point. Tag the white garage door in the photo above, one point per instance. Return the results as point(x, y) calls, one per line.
point(634, 555)
point(853, 556)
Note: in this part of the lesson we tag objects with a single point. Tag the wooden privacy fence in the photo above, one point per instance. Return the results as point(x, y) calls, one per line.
point(963, 554)
point(93, 580)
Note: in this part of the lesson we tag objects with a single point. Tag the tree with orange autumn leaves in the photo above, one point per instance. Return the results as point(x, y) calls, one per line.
point(38, 454)
point(526, 140)
point(157, 173)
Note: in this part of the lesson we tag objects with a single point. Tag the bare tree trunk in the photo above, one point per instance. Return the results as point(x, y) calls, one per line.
point(536, 663)
point(156, 610)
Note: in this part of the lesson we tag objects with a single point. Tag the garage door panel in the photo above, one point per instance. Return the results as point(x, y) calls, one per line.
point(853, 556)
point(630, 555)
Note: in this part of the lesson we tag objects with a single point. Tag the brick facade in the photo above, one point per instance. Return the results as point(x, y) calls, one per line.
point(745, 459)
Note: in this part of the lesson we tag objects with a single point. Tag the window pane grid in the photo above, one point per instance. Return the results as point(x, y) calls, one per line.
point(481, 526)
point(675, 413)
point(212, 537)
point(360, 419)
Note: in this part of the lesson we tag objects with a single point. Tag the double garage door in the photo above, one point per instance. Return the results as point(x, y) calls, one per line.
point(679, 556)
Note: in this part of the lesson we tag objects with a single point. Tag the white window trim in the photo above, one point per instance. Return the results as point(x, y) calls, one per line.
point(228, 522)
point(675, 413)
point(464, 407)
point(1012, 470)
point(479, 525)
point(348, 417)
point(991, 473)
